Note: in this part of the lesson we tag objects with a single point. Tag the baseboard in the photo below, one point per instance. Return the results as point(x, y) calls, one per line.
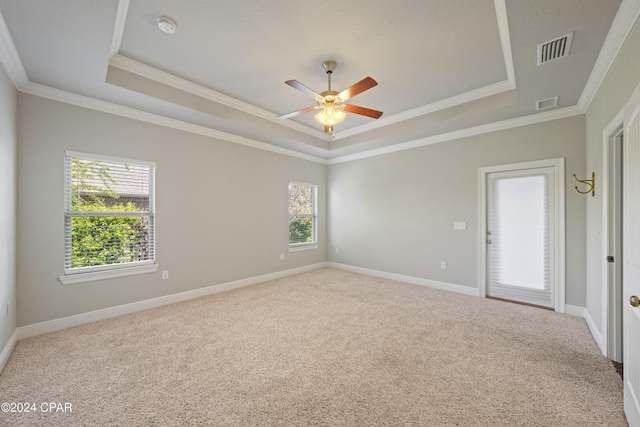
point(408, 279)
point(574, 310)
point(597, 335)
point(8, 348)
point(80, 319)
point(106, 313)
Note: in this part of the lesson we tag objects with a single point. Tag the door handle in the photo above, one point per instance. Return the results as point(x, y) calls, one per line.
point(634, 301)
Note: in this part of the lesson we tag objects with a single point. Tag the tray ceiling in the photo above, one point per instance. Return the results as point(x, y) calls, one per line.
point(442, 66)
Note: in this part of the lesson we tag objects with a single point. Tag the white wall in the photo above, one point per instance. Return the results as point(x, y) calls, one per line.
point(8, 142)
point(395, 212)
point(614, 92)
point(221, 208)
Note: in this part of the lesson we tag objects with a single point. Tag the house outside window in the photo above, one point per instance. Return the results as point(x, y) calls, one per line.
point(303, 216)
point(109, 220)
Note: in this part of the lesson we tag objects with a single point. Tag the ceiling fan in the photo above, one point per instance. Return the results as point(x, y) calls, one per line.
point(331, 102)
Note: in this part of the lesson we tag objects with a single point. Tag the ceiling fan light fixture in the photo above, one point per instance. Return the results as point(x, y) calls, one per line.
point(330, 102)
point(330, 115)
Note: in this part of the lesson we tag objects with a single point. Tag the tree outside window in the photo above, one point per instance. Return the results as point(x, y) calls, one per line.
point(109, 215)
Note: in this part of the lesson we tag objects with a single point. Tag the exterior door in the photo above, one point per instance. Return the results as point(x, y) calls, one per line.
point(631, 266)
point(520, 235)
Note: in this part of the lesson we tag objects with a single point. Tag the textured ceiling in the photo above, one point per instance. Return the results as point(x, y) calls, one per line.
point(441, 65)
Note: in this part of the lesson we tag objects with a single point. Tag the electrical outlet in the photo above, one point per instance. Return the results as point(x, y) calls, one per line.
point(459, 225)
point(443, 265)
point(165, 274)
point(337, 250)
point(281, 257)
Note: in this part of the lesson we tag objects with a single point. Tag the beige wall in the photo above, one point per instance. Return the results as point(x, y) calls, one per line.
point(620, 82)
point(8, 142)
point(221, 208)
point(395, 212)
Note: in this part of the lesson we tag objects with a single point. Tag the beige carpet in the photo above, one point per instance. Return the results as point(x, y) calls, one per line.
point(327, 348)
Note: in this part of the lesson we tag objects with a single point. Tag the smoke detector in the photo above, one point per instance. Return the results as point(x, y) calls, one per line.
point(166, 25)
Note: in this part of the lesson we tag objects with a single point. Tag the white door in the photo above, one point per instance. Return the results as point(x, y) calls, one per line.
point(520, 235)
point(631, 266)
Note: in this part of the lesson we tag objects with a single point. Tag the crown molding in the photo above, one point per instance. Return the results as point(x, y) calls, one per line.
point(452, 101)
point(168, 79)
point(135, 114)
point(9, 57)
point(118, 29)
point(162, 77)
point(505, 39)
point(463, 133)
point(132, 113)
point(621, 27)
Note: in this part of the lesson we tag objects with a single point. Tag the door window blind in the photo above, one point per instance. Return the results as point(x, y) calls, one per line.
point(519, 250)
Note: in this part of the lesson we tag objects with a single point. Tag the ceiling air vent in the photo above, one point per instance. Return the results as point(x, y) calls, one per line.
point(554, 49)
point(547, 103)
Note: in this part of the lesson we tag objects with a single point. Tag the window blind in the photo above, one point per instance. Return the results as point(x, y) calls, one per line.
point(109, 213)
point(302, 214)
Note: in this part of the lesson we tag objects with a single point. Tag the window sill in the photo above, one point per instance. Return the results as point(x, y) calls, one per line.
point(107, 274)
point(303, 247)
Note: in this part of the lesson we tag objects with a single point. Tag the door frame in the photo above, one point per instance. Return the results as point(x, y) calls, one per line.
point(631, 251)
point(611, 339)
point(558, 240)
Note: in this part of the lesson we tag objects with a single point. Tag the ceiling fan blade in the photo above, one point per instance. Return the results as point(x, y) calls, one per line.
point(328, 128)
point(362, 111)
point(302, 88)
point(361, 86)
point(295, 113)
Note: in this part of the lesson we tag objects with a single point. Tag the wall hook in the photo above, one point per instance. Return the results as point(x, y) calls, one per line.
point(590, 182)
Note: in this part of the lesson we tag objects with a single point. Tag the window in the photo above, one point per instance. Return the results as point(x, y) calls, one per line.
point(302, 216)
point(109, 214)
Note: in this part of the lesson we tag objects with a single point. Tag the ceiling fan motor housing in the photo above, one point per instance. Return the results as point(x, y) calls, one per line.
point(330, 96)
point(329, 66)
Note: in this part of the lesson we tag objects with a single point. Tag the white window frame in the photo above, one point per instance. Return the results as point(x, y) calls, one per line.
point(293, 247)
point(87, 274)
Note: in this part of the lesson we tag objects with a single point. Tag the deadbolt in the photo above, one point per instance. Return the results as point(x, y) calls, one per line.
point(634, 301)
